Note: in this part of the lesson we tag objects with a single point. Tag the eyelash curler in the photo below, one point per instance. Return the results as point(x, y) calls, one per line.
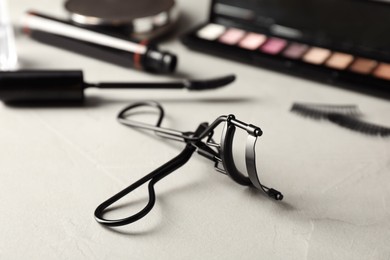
point(221, 154)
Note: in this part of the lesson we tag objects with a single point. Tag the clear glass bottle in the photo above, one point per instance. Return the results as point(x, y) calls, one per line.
point(8, 54)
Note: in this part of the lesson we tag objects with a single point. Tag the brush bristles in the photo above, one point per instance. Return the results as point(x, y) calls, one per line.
point(211, 83)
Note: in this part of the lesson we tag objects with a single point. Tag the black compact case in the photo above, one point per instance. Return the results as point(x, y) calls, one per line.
point(342, 42)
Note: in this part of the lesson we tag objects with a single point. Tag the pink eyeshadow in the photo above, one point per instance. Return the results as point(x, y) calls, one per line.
point(252, 41)
point(295, 51)
point(273, 46)
point(232, 36)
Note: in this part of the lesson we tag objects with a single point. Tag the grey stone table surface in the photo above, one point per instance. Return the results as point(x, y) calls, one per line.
point(58, 164)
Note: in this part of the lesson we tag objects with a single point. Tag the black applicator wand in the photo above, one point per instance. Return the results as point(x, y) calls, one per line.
point(18, 87)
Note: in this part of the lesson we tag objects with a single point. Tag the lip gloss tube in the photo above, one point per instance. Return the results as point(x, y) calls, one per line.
point(123, 52)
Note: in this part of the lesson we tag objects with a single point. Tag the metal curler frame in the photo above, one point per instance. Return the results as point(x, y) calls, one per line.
point(218, 153)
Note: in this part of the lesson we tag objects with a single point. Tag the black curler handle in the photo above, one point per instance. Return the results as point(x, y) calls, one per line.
point(36, 86)
point(152, 178)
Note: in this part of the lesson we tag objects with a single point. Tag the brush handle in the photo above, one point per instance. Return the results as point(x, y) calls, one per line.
point(66, 35)
point(41, 85)
point(140, 85)
point(192, 85)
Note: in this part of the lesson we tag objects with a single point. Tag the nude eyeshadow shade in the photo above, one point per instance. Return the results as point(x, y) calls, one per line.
point(273, 46)
point(339, 61)
point(232, 36)
point(295, 51)
point(252, 41)
point(383, 71)
point(363, 66)
point(211, 31)
point(316, 55)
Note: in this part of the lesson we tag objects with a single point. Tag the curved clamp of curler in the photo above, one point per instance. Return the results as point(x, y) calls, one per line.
point(250, 156)
point(218, 153)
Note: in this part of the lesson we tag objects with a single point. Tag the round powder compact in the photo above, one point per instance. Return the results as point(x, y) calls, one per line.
point(143, 19)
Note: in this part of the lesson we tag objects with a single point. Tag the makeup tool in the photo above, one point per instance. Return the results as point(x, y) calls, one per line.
point(200, 141)
point(340, 42)
point(8, 54)
point(346, 116)
point(39, 87)
point(133, 19)
point(123, 52)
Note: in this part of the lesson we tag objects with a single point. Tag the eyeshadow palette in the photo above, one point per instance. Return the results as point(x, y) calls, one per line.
point(344, 42)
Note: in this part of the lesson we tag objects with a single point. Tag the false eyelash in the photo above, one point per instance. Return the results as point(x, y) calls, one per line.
point(320, 111)
point(358, 125)
point(343, 115)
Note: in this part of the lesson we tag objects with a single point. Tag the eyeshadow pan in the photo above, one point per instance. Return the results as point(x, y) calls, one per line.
point(316, 55)
point(232, 36)
point(252, 41)
point(211, 31)
point(339, 61)
point(383, 71)
point(273, 46)
point(295, 51)
point(363, 66)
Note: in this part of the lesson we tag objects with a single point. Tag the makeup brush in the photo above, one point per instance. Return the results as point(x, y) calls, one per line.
point(68, 86)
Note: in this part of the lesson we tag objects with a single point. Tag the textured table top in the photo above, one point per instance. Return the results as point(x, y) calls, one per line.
point(58, 164)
